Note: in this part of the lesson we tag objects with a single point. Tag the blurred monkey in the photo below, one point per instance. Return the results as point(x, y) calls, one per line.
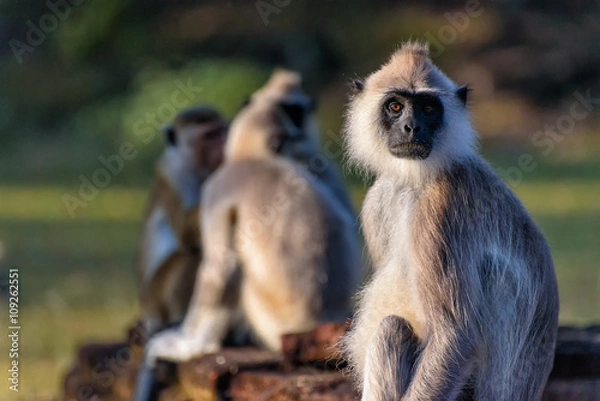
point(285, 87)
point(283, 252)
point(169, 251)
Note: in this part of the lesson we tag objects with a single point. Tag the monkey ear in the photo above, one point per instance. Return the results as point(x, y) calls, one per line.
point(462, 93)
point(170, 137)
point(357, 86)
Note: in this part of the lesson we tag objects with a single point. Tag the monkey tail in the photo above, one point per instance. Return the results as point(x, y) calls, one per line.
point(146, 388)
point(391, 357)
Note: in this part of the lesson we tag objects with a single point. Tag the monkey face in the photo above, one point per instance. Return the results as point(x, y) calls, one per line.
point(208, 144)
point(198, 135)
point(411, 122)
point(293, 116)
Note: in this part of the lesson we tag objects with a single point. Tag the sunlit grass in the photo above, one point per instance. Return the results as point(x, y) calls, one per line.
point(46, 203)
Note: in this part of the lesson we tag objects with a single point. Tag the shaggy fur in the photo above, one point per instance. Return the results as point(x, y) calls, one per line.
point(463, 301)
point(283, 252)
point(169, 254)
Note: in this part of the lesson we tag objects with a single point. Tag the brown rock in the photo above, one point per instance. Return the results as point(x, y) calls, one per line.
point(174, 393)
point(572, 390)
point(317, 345)
point(305, 384)
point(577, 353)
point(202, 379)
point(104, 370)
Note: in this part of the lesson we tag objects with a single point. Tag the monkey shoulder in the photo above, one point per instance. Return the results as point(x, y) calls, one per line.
point(248, 179)
point(473, 216)
point(474, 191)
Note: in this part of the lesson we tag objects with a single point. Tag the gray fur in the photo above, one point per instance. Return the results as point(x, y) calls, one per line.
point(281, 250)
point(456, 256)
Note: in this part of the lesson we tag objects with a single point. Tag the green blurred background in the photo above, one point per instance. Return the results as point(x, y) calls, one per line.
point(80, 78)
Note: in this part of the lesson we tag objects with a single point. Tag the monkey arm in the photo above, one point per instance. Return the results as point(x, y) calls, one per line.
point(448, 353)
point(169, 200)
point(390, 359)
point(214, 299)
point(444, 367)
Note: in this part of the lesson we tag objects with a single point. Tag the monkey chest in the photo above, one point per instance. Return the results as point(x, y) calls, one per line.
point(387, 222)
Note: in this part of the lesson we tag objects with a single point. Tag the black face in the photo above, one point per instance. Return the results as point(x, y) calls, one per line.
point(412, 121)
point(198, 115)
point(295, 113)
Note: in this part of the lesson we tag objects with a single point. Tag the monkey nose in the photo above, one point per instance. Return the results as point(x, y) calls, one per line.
point(408, 128)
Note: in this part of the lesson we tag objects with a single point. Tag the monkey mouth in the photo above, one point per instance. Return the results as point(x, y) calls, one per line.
point(410, 150)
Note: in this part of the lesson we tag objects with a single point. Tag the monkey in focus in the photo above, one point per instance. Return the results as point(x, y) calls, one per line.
point(283, 252)
point(463, 301)
point(169, 252)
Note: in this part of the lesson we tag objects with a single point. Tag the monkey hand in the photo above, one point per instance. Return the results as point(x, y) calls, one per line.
point(178, 345)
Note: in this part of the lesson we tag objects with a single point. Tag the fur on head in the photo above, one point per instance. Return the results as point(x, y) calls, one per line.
point(279, 118)
point(409, 70)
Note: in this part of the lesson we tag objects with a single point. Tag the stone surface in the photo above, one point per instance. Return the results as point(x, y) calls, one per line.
point(318, 345)
point(572, 390)
point(304, 384)
point(577, 353)
point(108, 371)
point(202, 379)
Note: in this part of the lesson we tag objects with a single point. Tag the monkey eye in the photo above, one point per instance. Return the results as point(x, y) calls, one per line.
point(428, 109)
point(395, 107)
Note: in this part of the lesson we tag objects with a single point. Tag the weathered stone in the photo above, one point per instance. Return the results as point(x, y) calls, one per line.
point(572, 390)
point(108, 372)
point(304, 384)
point(577, 353)
point(202, 379)
point(318, 345)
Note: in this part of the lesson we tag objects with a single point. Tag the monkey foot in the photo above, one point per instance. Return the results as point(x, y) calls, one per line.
point(177, 346)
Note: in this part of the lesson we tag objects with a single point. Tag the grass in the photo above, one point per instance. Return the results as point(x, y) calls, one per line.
point(77, 282)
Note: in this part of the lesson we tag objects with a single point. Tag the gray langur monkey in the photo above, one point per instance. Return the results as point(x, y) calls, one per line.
point(463, 301)
point(283, 252)
point(169, 248)
point(285, 87)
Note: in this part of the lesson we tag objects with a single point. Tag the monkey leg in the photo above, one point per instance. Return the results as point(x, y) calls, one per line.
point(390, 360)
point(214, 301)
point(165, 300)
point(179, 286)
